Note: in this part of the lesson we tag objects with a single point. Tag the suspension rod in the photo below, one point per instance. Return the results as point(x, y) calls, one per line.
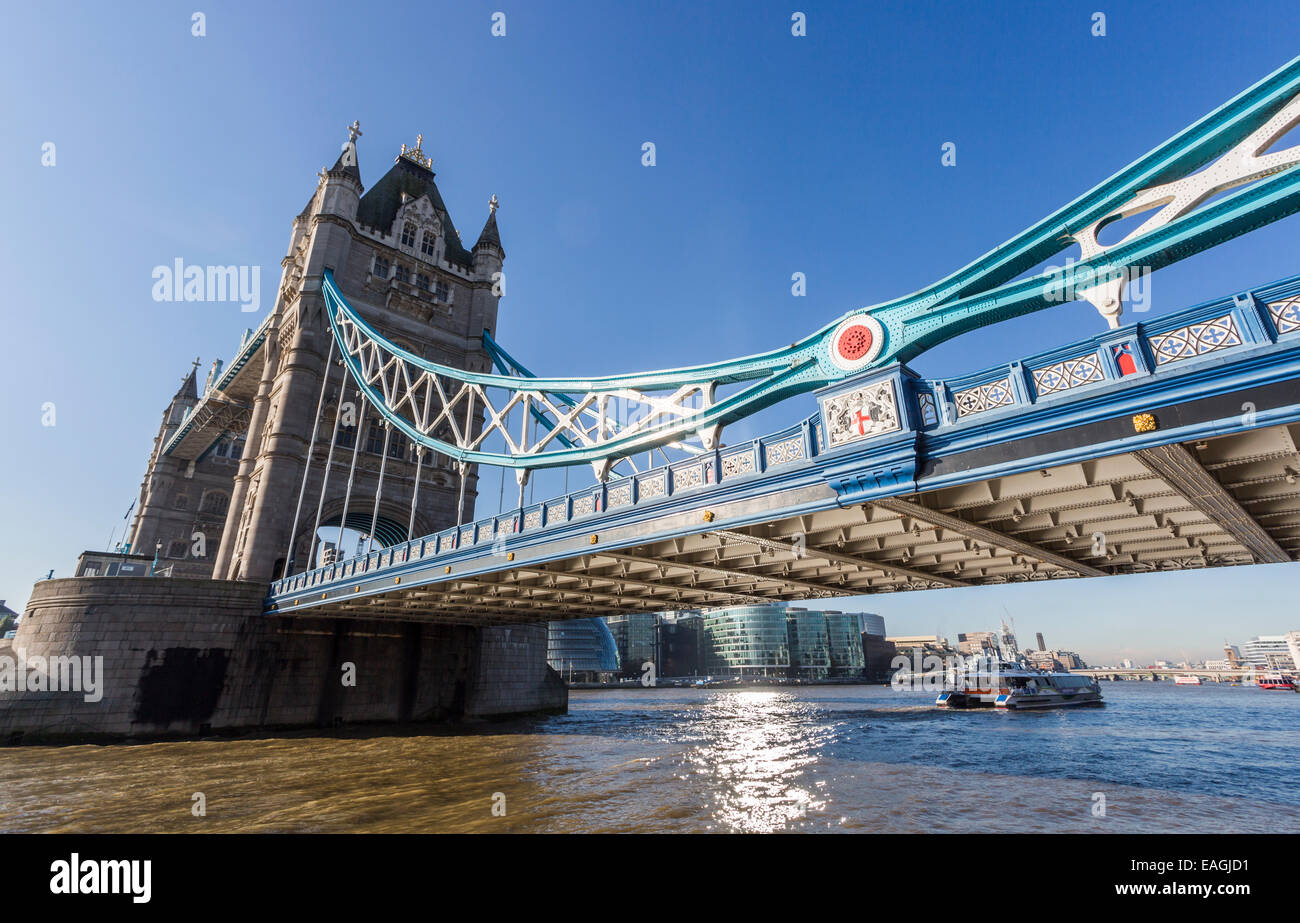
point(311, 450)
point(352, 469)
point(379, 488)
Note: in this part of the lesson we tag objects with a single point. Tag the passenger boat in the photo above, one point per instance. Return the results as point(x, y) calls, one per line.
point(1275, 681)
point(1187, 680)
point(990, 683)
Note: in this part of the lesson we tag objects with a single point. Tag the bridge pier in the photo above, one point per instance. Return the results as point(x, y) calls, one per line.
point(184, 657)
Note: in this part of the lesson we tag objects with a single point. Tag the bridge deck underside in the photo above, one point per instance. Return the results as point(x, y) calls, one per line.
point(1229, 500)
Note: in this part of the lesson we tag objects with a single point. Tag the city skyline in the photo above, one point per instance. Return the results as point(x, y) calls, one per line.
point(842, 193)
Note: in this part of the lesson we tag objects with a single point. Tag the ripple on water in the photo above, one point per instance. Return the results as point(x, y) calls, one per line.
point(664, 760)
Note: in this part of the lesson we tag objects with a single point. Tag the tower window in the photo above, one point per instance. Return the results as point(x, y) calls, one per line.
point(408, 234)
point(381, 267)
point(421, 281)
point(442, 291)
point(177, 549)
point(427, 242)
point(402, 274)
point(375, 438)
point(397, 446)
point(346, 437)
point(237, 448)
point(214, 502)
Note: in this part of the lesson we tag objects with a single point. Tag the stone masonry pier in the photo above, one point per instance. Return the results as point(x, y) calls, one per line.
point(193, 656)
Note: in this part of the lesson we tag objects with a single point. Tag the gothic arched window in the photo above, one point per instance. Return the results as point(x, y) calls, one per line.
point(427, 243)
point(408, 234)
point(214, 501)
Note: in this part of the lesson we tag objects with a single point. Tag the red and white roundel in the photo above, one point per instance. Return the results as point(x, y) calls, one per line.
point(856, 341)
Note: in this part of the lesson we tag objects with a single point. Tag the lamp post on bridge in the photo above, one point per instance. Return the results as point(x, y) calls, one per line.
point(157, 550)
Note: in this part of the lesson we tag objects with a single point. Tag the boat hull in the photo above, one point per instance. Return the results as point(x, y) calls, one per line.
point(965, 700)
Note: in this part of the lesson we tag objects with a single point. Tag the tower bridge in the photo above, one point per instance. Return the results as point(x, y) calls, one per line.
point(1065, 464)
point(378, 385)
point(1167, 444)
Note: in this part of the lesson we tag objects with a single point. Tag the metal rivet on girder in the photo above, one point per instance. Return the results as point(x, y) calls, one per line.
point(397, 580)
point(593, 539)
point(708, 515)
point(510, 555)
point(447, 569)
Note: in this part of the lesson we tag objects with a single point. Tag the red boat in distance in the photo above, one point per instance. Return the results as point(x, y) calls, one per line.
point(1276, 681)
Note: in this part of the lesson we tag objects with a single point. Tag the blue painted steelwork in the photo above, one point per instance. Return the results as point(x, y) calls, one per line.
point(1266, 353)
point(895, 331)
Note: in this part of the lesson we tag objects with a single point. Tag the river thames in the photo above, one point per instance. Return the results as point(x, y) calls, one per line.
point(1158, 758)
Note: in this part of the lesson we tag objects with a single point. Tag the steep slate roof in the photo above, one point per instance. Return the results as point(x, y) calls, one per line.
point(352, 168)
point(189, 389)
point(489, 234)
point(378, 207)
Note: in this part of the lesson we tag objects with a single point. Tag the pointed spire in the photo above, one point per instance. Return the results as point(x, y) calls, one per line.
point(347, 160)
point(490, 235)
point(189, 389)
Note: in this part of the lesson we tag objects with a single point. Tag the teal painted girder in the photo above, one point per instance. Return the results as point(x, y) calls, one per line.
point(974, 296)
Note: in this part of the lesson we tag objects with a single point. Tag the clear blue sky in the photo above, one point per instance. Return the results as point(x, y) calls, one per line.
point(775, 155)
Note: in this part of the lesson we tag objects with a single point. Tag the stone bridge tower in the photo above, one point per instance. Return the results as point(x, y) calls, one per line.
point(400, 262)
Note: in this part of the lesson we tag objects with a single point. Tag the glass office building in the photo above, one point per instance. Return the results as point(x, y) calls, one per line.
point(746, 641)
point(634, 638)
point(809, 653)
point(844, 643)
point(581, 649)
point(871, 624)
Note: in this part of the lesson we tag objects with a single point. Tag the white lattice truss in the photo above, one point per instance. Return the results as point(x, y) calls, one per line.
point(442, 410)
point(1245, 163)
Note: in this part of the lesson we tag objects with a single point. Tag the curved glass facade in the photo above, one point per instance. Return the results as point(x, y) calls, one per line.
point(810, 656)
point(776, 640)
point(581, 646)
point(844, 643)
point(747, 641)
point(634, 636)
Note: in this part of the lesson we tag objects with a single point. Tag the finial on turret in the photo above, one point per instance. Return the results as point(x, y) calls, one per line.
point(416, 154)
point(493, 204)
point(354, 130)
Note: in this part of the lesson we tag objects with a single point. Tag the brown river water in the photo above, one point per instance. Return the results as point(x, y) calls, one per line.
point(681, 760)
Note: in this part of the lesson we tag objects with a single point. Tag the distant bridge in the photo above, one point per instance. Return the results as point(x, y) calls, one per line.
point(1153, 673)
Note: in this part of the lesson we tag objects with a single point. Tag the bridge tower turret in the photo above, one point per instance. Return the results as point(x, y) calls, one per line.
point(160, 503)
point(489, 256)
point(396, 255)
